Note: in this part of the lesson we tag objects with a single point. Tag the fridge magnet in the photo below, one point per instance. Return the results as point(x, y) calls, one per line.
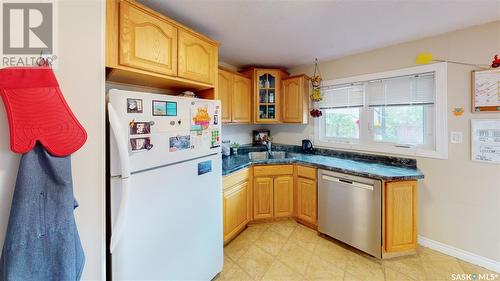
point(458, 111)
point(134, 106)
point(204, 167)
point(215, 142)
point(140, 128)
point(216, 119)
point(201, 119)
point(179, 143)
point(138, 144)
point(164, 108)
point(486, 90)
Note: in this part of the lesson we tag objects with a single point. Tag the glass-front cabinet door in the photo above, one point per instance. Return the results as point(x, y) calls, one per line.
point(267, 96)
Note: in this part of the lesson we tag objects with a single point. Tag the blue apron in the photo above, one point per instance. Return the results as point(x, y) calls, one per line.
point(42, 241)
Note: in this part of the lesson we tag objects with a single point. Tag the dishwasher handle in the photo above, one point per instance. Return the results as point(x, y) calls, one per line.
point(348, 182)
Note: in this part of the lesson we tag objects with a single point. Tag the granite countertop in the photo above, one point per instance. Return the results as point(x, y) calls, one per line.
point(375, 167)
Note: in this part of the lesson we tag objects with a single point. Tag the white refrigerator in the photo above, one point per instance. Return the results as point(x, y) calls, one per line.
point(165, 187)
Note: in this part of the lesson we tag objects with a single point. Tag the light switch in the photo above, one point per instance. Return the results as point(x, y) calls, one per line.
point(456, 137)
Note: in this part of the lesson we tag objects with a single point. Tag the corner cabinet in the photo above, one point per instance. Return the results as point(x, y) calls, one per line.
point(283, 196)
point(235, 93)
point(266, 86)
point(295, 99)
point(273, 191)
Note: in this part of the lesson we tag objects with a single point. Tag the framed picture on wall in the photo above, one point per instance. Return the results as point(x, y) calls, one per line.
point(486, 90)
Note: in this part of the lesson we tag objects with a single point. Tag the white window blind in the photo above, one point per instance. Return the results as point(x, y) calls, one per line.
point(343, 96)
point(406, 90)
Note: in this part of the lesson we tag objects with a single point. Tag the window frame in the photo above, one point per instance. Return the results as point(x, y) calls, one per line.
point(366, 143)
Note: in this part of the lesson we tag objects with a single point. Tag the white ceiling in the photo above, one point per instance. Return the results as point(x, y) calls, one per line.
point(289, 33)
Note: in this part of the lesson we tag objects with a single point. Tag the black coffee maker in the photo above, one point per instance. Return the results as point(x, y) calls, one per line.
point(307, 146)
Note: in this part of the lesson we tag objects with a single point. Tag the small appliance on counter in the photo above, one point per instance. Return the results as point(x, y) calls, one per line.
point(226, 148)
point(307, 146)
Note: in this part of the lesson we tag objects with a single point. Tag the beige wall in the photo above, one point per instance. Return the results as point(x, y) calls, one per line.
point(80, 73)
point(459, 199)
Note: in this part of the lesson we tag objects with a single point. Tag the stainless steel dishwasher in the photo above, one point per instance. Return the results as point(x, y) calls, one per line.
point(350, 210)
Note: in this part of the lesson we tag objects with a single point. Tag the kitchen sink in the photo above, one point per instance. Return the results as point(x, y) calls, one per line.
point(264, 155)
point(278, 154)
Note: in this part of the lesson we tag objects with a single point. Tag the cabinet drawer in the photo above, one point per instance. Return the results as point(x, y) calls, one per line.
point(273, 170)
point(306, 172)
point(236, 177)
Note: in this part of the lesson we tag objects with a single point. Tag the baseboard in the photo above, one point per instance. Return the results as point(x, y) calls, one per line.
point(460, 254)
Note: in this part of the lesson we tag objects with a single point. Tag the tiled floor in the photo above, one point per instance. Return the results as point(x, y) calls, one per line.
point(286, 250)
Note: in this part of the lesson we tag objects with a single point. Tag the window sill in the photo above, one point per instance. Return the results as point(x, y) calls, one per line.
point(415, 152)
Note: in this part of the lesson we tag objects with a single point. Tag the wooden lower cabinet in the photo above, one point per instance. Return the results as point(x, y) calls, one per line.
point(236, 203)
point(263, 198)
point(283, 196)
point(307, 200)
point(273, 191)
point(291, 191)
point(400, 216)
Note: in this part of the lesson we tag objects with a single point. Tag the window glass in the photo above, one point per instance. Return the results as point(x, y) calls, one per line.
point(342, 122)
point(399, 124)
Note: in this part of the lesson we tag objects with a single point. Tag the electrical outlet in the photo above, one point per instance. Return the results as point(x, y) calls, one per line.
point(456, 137)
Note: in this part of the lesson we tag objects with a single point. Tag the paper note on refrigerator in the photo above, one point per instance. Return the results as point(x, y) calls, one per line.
point(200, 116)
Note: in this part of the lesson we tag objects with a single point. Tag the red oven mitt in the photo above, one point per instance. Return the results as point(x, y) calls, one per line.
point(37, 111)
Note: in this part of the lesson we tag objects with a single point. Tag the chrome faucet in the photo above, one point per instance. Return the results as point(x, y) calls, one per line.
point(267, 142)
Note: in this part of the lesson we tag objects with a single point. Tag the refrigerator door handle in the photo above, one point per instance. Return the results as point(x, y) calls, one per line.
point(118, 133)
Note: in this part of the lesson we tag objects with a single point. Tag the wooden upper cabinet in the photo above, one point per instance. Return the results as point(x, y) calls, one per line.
point(225, 92)
point(266, 93)
point(241, 101)
point(197, 58)
point(147, 42)
point(235, 93)
point(147, 48)
point(263, 198)
point(283, 196)
point(267, 96)
point(400, 216)
point(295, 99)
